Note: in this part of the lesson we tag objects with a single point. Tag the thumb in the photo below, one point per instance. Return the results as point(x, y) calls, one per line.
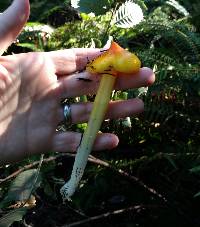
point(12, 21)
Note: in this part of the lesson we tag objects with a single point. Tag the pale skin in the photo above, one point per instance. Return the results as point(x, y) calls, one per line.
point(32, 86)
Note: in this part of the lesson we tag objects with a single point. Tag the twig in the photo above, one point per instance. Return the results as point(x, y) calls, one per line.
point(123, 173)
point(105, 215)
point(128, 176)
point(79, 212)
point(26, 167)
point(93, 160)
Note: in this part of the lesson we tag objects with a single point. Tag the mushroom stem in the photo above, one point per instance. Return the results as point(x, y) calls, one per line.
point(96, 118)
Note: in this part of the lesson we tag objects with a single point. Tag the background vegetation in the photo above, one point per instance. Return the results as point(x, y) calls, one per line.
point(152, 178)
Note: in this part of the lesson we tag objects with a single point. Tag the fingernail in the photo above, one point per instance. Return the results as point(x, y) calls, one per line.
point(148, 75)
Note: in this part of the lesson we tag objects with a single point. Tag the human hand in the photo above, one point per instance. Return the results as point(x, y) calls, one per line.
point(31, 88)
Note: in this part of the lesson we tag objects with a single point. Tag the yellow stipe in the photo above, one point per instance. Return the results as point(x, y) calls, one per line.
point(97, 116)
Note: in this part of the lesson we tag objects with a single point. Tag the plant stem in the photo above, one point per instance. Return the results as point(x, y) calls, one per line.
point(98, 113)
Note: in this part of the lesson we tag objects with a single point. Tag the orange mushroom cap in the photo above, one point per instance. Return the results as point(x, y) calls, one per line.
point(115, 61)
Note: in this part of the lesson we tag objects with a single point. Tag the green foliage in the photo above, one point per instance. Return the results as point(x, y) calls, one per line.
point(4, 4)
point(72, 35)
point(193, 7)
point(20, 191)
point(172, 49)
point(178, 7)
point(35, 36)
point(22, 187)
point(40, 8)
point(12, 216)
point(97, 7)
point(124, 16)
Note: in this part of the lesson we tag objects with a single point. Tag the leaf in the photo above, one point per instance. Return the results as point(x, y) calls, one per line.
point(197, 194)
point(128, 15)
point(12, 216)
point(195, 169)
point(29, 46)
point(97, 7)
point(171, 161)
point(126, 122)
point(23, 185)
point(178, 7)
point(75, 3)
point(142, 91)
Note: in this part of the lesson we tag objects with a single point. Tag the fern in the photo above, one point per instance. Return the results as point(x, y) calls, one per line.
point(176, 77)
point(128, 15)
point(178, 7)
point(183, 42)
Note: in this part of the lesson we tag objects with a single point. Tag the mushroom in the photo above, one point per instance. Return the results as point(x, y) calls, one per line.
point(113, 63)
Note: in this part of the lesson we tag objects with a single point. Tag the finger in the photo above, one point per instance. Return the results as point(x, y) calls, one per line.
point(72, 86)
point(72, 60)
point(69, 141)
point(145, 77)
point(12, 21)
point(80, 112)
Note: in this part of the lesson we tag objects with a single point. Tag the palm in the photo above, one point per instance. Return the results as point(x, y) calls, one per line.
point(34, 105)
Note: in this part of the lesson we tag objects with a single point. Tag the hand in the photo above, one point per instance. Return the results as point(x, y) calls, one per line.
point(31, 88)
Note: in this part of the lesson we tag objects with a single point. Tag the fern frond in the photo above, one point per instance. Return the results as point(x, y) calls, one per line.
point(178, 7)
point(183, 42)
point(128, 15)
point(75, 3)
